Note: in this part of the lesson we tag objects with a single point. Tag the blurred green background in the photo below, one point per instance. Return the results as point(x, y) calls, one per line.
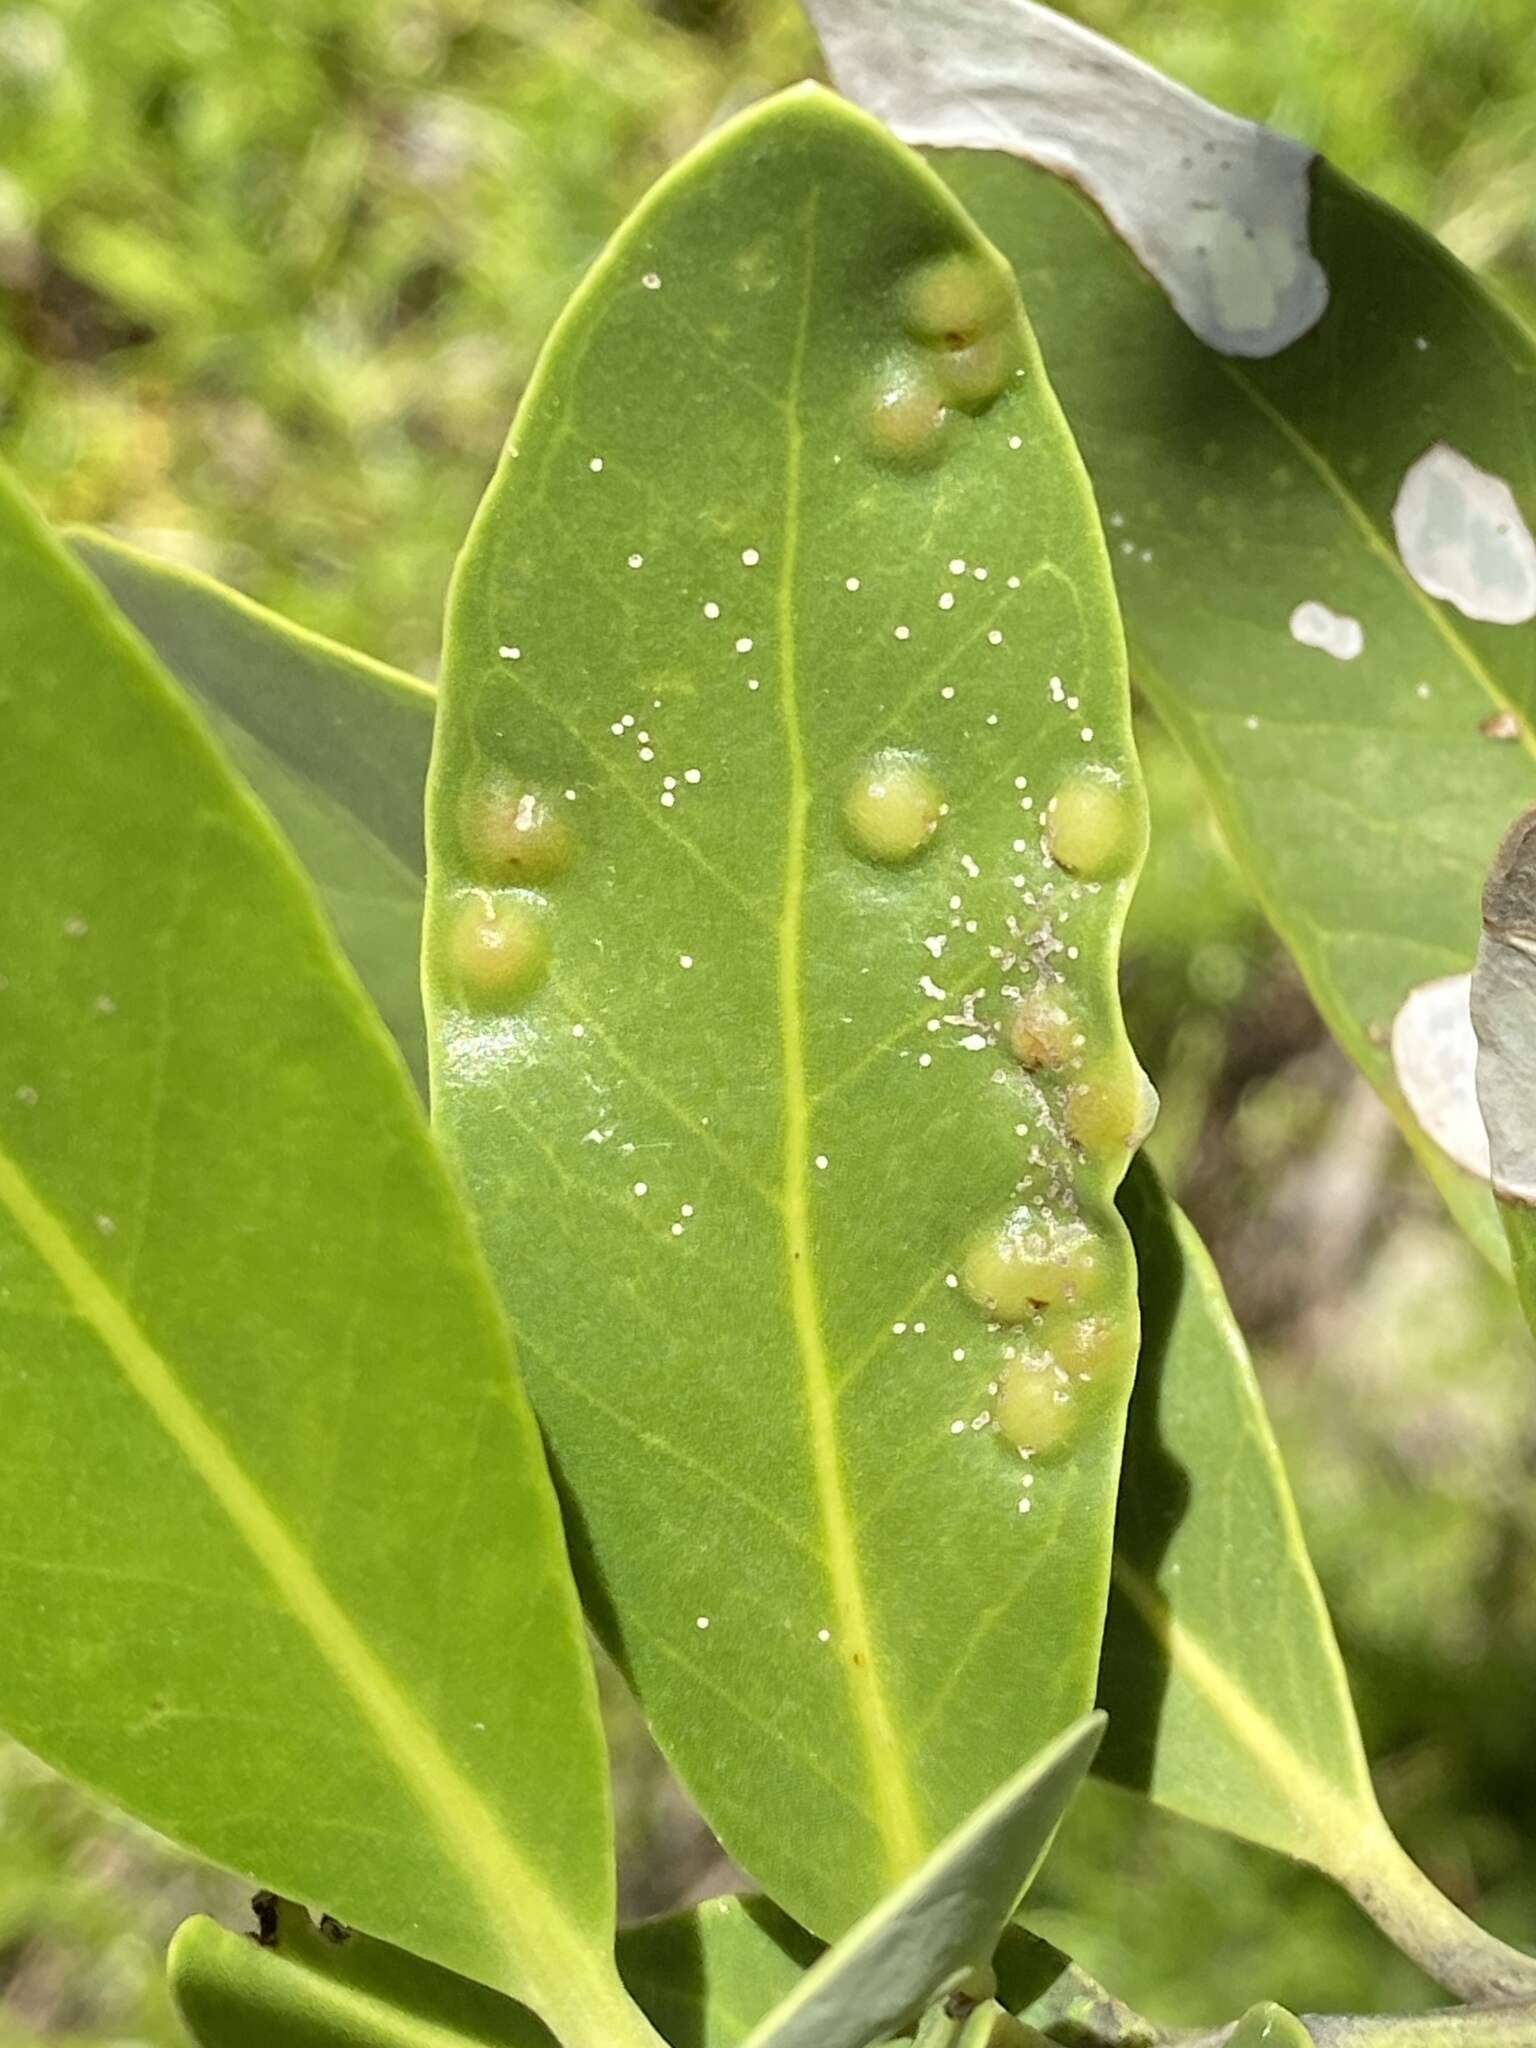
point(272, 275)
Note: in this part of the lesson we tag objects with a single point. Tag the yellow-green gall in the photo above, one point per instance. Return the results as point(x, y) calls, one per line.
point(512, 832)
point(904, 414)
point(1111, 1109)
point(1012, 1274)
point(1093, 1347)
point(954, 298)
point(892, 808)
point(498, 949)
point(1090, 826)
point(1040, 1033)
point(1033, 1410)
point(971, 377)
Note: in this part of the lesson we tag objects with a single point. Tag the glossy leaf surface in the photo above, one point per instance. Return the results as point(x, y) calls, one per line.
point(281, 1564)
point(335, 745)
point(944, 1923)
point(1363, 795)
point(724, 997)
point(1226, 1696)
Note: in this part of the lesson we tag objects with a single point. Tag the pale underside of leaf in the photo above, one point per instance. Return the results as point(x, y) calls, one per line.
point(1215, 207)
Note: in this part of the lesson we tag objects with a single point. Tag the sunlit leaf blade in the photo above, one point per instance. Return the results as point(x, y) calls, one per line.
point(1226, 1696)
point(944, 1922)
point(704, 1978)
point(1504, 1015)
point(1363, 797)
point(280, 1563)
point(735, 1103)
point(335, 745)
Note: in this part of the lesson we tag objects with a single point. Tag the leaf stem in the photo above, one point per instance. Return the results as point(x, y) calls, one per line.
point(1421, 1921)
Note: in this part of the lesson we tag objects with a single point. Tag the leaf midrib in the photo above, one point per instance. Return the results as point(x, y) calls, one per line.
point(903, 1838)
point(511, 1890)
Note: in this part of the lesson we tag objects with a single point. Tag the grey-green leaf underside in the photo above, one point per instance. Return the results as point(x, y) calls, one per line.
point(1504, 1014)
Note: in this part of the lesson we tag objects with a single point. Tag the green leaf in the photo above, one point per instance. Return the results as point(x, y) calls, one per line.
point(1504, 1014)
point(312, 1989)
point(733, 1969)
point(335, 745)
point(704, 1978)
point(705, 1040)
point(1226, 1695)
point(941, 1927)
point(1362, 797)
point(281, 1562)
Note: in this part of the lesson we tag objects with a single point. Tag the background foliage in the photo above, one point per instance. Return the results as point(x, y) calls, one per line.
point(272, 274)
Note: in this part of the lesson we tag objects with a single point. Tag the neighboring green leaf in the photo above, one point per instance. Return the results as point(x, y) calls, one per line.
point(1226, 1695)
point(746, 1114)
point(704, 1978)
point(1504, 1015)
point(943, 1924)
point(280, 1560)
point(335, 745)
point(311, 1989)
point(1363, 797)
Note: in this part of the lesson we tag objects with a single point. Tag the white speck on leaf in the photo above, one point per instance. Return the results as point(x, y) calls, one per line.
point(1335, 633)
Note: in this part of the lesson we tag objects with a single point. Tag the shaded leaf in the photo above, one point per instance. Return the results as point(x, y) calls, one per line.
point(942, 1926)
point(281, 1564)
point(308, 1989)
point(1250, 505)
point(1226, 1695)
point(730, 631)
point(335, 745)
